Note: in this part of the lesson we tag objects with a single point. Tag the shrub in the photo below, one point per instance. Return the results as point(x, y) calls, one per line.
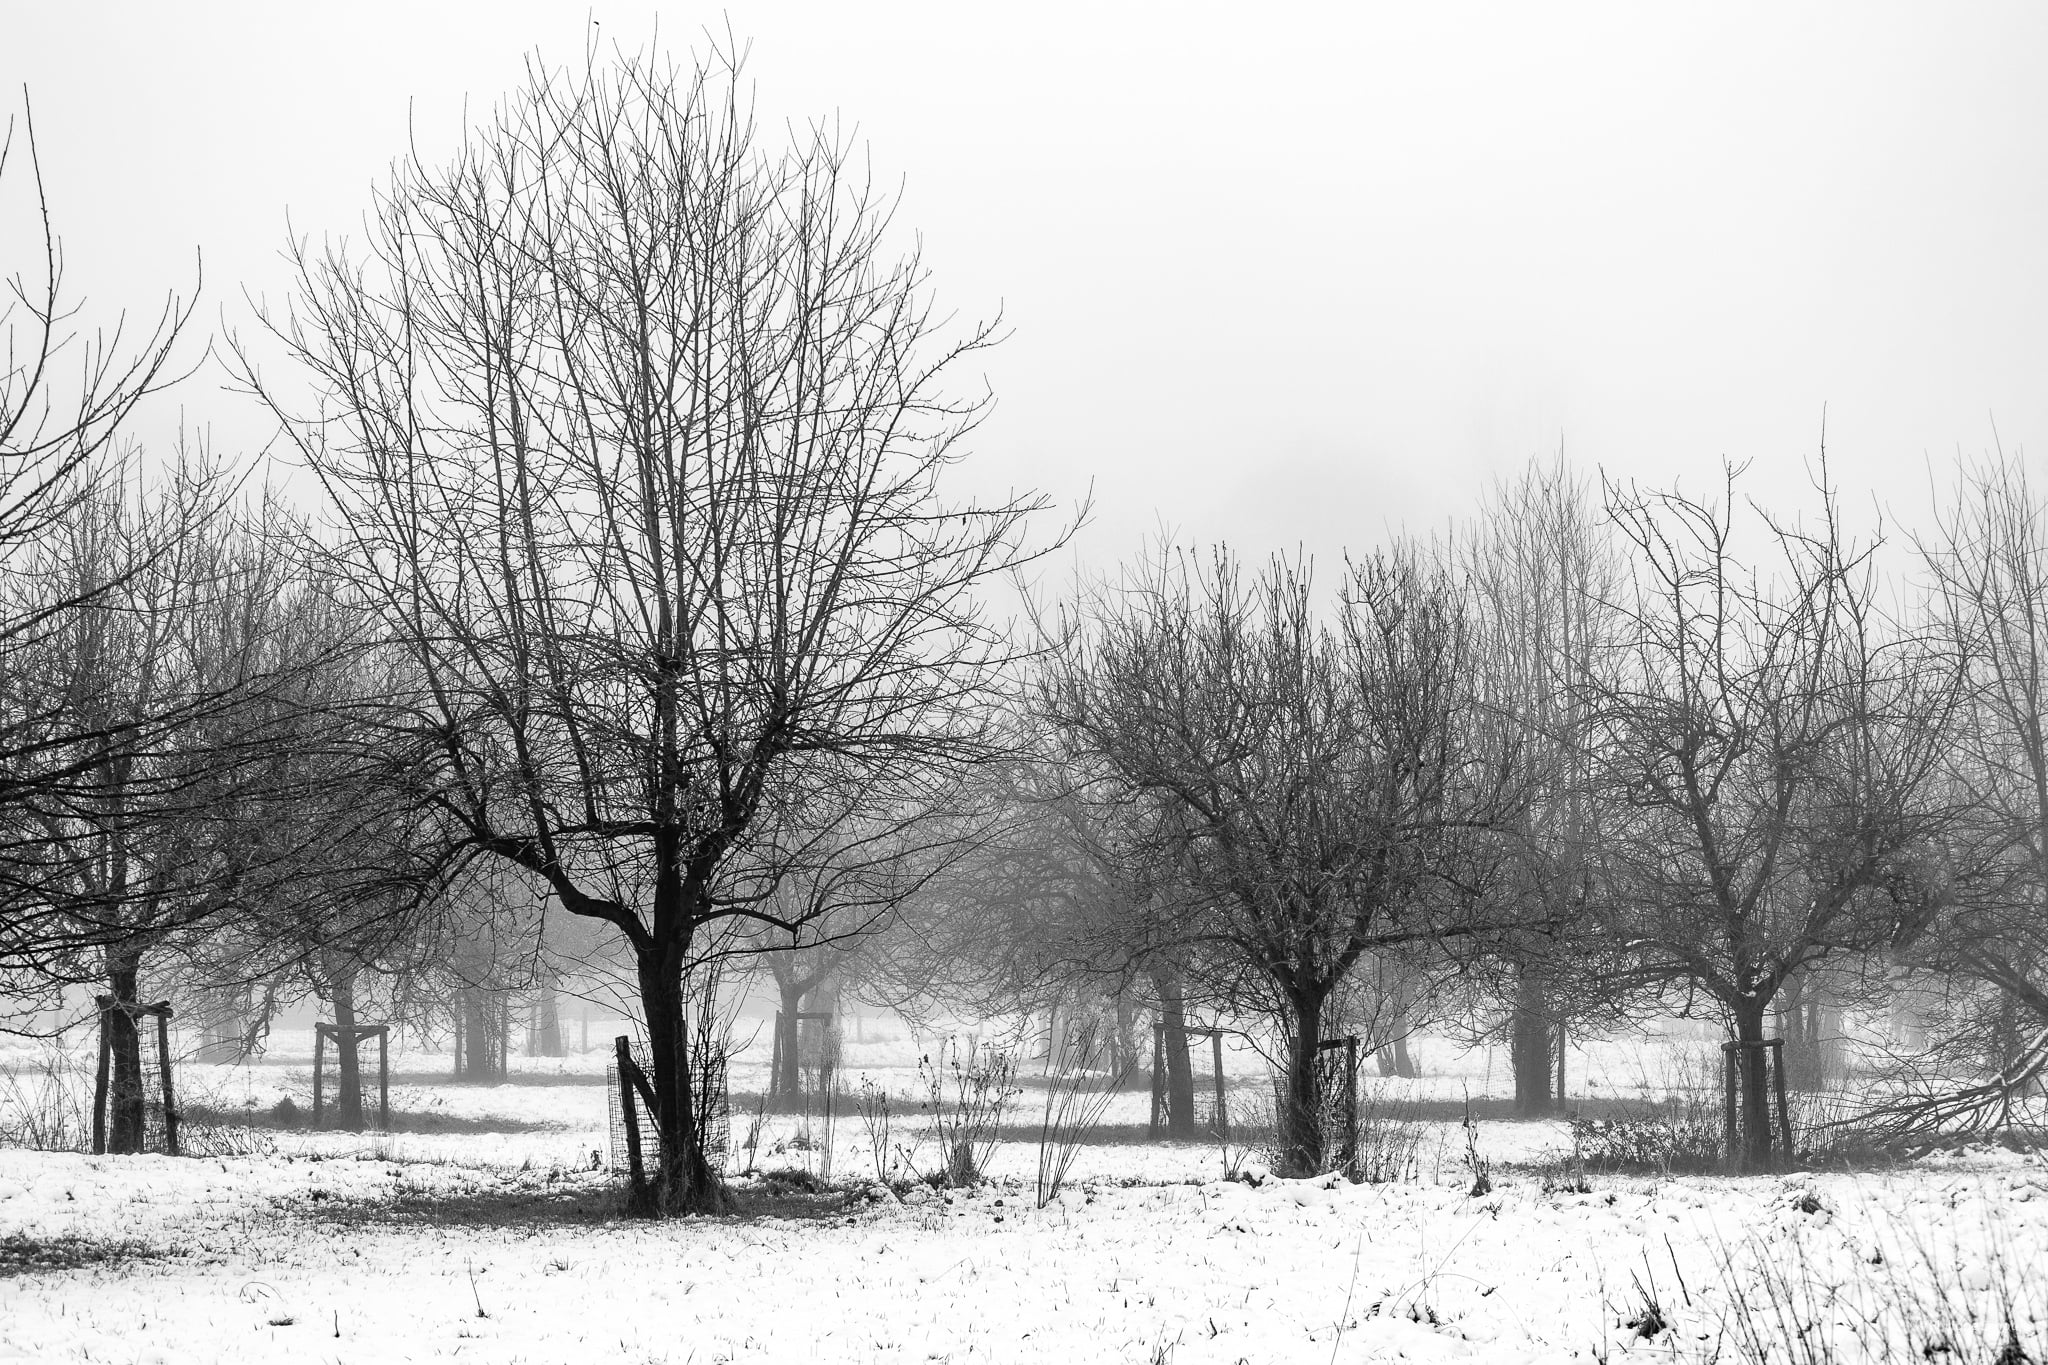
point(968, 1094)
point(1390, 1133)
point(1071, 1108)
point(46, 1106)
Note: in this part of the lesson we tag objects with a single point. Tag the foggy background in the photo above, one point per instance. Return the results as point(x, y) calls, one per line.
point(1290, 276)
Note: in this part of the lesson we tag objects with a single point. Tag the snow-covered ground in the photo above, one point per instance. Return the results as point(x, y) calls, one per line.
point(478, 1231)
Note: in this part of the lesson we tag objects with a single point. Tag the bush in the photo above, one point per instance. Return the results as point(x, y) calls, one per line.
point(46, 1106)
point(1390, 1133)
point(1682, 1133)
point(967, 1095)
point(1072, 1107)
point(225, 1139)
point(1677, 1143)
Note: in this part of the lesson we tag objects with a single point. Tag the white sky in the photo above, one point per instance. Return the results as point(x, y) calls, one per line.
point(1285, 274)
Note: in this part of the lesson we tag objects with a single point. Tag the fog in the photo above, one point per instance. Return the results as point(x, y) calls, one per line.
point(1289, 278)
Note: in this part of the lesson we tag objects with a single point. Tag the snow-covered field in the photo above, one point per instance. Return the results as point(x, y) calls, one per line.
point(479, 1232)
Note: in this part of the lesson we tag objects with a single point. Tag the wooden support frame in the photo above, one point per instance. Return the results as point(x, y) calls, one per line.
point(1773, 1050)
point(382, 1033)
point(825, 1017)
point(162, 1012)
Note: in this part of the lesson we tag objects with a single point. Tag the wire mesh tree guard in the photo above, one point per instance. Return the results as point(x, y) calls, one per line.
point(635, 1138)
point(1337, 1093)
point(1336, 1104)
point(125, 1118)
point(350, 1107)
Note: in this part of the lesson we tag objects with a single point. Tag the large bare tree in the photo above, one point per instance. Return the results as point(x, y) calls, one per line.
point(639, 432)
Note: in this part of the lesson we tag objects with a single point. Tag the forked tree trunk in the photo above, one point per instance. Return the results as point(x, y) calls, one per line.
point(1391, 1057)
point(1404, 1065)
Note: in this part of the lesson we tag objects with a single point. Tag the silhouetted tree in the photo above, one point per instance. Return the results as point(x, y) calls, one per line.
point(638, 433)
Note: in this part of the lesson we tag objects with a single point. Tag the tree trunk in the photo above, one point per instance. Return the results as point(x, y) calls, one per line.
point(1123, 1046)
point(786, 1085)
point(1403, 1025)
point(683, 1181)
point(348, 1108)
point(824, 999)
point(126, 1105)
point(1753, 1090)
point(480, 1039)
point(1530, 1041)
point(1301, 1109)
point(222, 1045)
point(1831, 1048)
point(1404, 1065)
point(1811, 1030)
point(2003, 1048)
point(1180, 1073)
point(545, 1039)
point(1560, 1064)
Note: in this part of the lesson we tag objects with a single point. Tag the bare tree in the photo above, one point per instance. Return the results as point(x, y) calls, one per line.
point(1767, 750)
point(833, 883)
point(1542, 572)
point(138, 686)
point(1073, 904)
point(1987, 923)
point(66, 397)
point(1321, 779)
point(639, 435)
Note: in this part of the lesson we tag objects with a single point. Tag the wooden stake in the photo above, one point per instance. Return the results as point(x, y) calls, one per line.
point(319, 1060)
point(1730, 1069)
point(99, 1087)
point(1158, 1080)
point(163, 1062)
point(627, 1112)
point(1777, 1046)
point(1222, 1107)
